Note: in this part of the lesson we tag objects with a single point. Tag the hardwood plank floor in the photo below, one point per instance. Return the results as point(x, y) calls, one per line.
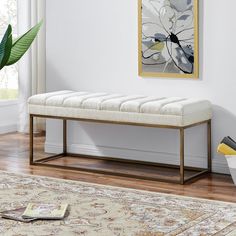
point(14, 149)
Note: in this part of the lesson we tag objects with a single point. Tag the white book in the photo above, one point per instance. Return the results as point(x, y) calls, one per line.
point(45, 211)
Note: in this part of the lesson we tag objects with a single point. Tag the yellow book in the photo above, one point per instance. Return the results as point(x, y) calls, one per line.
point(225, 149)
point(45, 211)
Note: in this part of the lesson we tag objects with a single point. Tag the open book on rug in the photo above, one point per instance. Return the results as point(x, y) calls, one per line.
point(36, 211)
point(16, 214)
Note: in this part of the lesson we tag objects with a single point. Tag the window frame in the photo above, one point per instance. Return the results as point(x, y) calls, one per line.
point(12, 101)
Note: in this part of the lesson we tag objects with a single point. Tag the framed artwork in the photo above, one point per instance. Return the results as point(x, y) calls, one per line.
point(168, 38)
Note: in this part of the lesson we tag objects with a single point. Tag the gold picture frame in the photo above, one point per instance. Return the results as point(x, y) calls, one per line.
point(195, 53)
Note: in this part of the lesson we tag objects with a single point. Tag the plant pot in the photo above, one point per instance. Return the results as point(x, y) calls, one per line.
point(232, 166)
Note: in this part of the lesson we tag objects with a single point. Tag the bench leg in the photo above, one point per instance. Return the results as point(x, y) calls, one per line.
point(64, 137)
point(31, 133)
point(31, 148)
point(181, 155)
point(209, 157)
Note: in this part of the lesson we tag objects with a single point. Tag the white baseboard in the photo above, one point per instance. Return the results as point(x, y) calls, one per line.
point(4, 129)
point(134, 154)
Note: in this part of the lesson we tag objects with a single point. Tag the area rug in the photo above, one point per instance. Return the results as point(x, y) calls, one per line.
point(107, 211)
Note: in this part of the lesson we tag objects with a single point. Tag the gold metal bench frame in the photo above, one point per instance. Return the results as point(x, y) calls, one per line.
point(182, 167)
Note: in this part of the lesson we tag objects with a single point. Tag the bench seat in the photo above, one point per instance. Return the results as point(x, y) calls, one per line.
point(153, 110)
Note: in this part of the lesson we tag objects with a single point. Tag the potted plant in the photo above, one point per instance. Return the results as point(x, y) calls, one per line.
point(11, 50)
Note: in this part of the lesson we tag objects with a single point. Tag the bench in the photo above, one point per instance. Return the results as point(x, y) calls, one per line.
point(150, 111)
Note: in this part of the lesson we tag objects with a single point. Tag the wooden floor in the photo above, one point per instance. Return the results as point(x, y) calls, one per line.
point(14, 150)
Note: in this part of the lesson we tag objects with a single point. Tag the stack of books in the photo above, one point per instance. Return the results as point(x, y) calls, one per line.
point(227, 146)
point(36, 211)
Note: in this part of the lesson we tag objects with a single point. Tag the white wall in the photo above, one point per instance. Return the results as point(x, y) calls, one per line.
point(92, 45)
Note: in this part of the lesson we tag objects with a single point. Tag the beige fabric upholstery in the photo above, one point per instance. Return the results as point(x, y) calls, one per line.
point(173, 111)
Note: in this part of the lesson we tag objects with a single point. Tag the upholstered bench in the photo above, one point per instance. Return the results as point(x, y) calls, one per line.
point(152, 111)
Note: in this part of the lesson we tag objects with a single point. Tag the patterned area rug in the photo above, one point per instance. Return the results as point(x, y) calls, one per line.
point(107, 211)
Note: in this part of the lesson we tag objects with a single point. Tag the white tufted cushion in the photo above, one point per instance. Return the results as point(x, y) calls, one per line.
point(173, 111)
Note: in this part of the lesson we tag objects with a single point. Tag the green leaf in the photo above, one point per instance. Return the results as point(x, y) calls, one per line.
point(22, 44)
point(5, 47)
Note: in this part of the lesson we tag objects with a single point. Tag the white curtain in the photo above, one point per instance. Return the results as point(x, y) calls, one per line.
point(32, 71)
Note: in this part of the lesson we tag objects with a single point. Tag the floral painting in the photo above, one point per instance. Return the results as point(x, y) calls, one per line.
point(168, 38)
